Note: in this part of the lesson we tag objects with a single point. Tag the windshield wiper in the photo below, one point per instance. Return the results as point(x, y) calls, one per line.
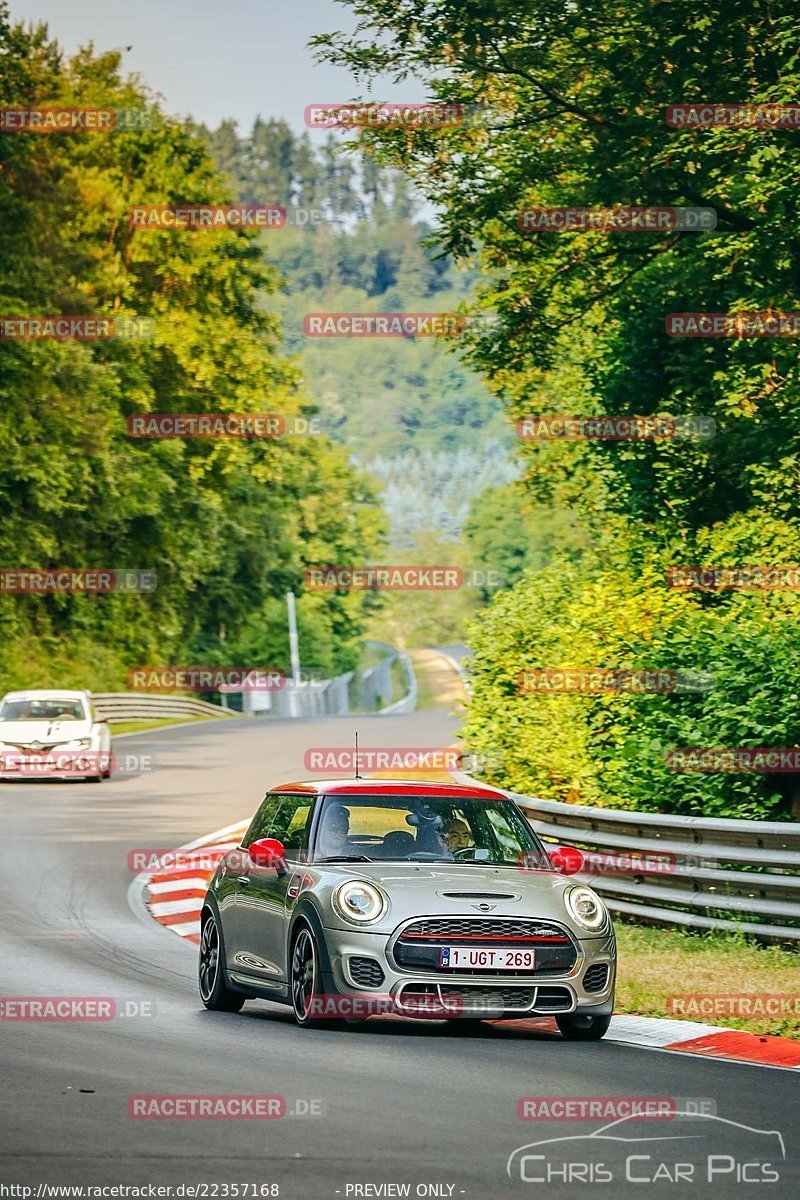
point(345, 858)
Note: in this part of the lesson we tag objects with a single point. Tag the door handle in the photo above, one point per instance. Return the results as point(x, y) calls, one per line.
point(244, 880)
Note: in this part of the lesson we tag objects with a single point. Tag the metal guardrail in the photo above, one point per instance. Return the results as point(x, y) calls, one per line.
point(698, 872)
point(319, 698)
point(408, 702)
point(115, 707)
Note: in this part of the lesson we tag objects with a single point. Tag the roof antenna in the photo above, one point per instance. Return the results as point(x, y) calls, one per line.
point(357, 774)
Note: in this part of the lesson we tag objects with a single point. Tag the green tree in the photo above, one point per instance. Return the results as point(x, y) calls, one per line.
point(225, 524)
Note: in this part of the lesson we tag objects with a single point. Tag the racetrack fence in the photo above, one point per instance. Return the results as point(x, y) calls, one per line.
point(367, 691)
point(693, 872)
point(116, 707)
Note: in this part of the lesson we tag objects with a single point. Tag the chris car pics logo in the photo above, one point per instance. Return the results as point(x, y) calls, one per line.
point(693, 1147)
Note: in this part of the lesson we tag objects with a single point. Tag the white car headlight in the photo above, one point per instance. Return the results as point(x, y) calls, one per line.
point(360, 902)
point(77, 744)
point(586, 908)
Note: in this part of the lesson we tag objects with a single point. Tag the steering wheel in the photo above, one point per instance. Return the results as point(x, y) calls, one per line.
point(464, 851)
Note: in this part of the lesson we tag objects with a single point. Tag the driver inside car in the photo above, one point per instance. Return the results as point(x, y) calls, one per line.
point(456, 836)
point(335, 831)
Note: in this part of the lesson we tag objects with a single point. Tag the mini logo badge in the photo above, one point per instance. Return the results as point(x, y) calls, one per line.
point(485, 907)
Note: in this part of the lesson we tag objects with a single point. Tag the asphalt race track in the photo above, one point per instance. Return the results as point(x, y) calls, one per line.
point(401, 1102)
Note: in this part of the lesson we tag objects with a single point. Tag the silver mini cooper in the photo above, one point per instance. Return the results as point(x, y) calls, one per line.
point(358, 897)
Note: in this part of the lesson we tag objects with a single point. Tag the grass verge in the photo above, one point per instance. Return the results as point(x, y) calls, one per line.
point(141, 726)
point(658, 964)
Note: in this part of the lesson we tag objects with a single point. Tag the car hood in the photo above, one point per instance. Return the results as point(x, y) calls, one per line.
point(48, 733)
point(432, 890)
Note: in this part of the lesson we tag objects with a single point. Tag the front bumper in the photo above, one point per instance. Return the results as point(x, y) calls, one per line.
point(445, 993)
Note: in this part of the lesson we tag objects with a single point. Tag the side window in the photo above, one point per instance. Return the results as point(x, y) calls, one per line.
point(262, 822)
point(292, 823)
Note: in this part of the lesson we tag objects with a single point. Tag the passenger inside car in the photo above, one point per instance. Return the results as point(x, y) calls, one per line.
point(335, 829)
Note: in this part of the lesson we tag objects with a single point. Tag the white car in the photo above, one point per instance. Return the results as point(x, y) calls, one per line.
point(52, 734)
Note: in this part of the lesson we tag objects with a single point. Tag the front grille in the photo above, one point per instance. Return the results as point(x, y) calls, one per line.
point(437, 1000)
point(596, 977)
point(490, 998)
point(366, 972)
point(417, 948)
point(25, 748)
point(513, 931)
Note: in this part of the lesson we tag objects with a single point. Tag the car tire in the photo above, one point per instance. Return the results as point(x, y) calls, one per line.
point(583, 1027)
point(306, 979)
point(215, 992)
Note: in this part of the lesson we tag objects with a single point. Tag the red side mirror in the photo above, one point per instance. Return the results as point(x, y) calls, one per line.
point(268, 852)
point(566, 860)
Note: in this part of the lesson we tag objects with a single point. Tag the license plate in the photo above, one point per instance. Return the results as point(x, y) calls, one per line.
point(457, 957)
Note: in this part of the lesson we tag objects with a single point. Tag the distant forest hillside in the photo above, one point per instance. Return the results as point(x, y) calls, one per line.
point(411, 413)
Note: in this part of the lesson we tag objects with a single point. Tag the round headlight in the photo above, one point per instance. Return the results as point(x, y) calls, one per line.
point(586, 908)
point(360, 902)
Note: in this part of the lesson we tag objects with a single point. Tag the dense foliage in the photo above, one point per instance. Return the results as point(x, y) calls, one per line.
point(227, 525)
point(574, 102)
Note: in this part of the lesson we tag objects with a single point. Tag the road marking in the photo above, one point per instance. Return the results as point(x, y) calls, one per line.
point(168, 908)
point(174, 895)
point(186, 884)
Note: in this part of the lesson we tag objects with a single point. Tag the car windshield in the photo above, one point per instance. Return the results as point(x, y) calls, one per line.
point(439, 829)
point(42, 710)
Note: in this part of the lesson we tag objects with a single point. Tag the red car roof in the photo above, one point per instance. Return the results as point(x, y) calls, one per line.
point(390, 787)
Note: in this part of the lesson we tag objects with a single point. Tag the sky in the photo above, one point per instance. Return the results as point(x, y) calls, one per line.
point(213, 59)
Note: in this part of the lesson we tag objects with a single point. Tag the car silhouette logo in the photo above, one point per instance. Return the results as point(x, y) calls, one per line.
point(615, 1133)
